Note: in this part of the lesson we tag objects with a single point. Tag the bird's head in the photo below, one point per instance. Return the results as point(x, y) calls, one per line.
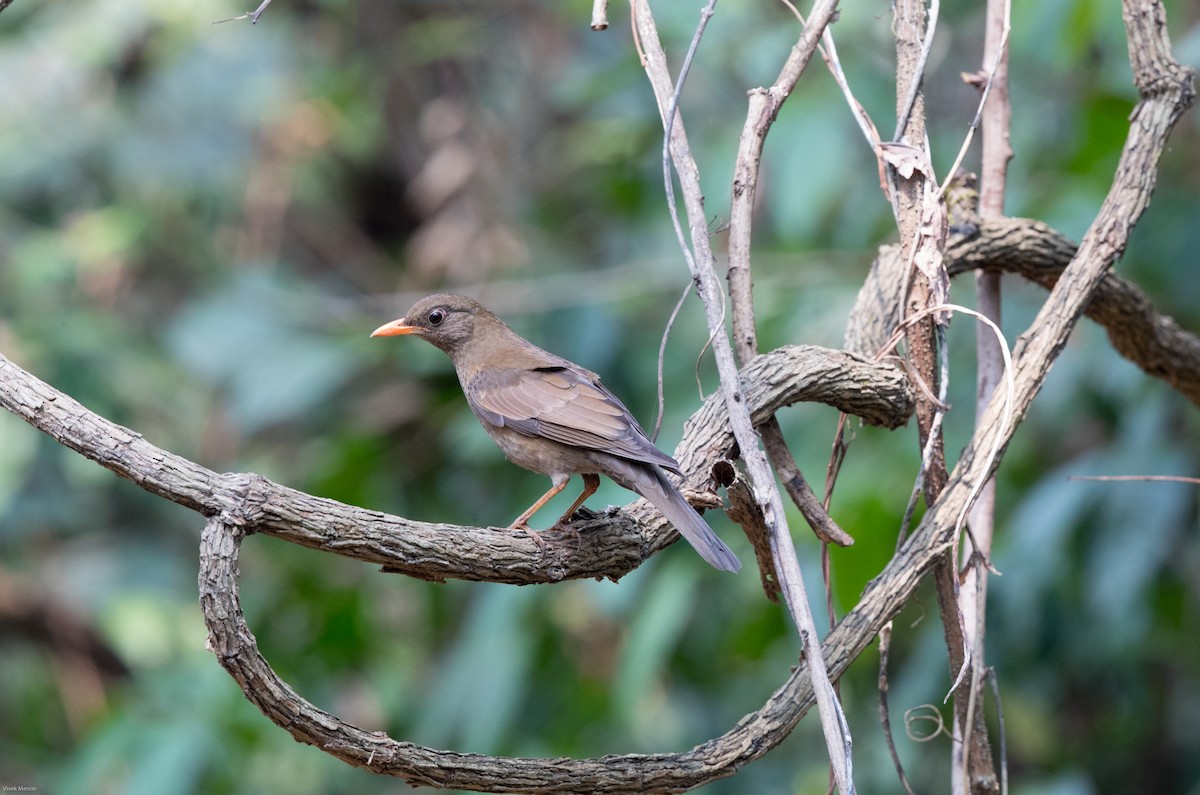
point(445, 320)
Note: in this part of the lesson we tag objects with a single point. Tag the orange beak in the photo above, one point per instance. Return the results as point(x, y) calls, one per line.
point(394, 329)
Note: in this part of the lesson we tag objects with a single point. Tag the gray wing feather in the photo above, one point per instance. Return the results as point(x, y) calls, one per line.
point(564, 405)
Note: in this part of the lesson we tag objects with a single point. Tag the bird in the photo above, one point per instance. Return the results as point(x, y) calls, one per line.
point(551, 416)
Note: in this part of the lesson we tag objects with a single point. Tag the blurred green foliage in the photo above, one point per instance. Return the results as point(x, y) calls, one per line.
point(199, 225)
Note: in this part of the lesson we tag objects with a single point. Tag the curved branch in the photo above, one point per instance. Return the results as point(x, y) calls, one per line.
point(612, 545)
point(231, 640)
point(1032, 249)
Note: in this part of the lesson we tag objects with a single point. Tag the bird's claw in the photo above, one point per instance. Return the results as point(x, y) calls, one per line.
point(567, 529)
point(522, 527)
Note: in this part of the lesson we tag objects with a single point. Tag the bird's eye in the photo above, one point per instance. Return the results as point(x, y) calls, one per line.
point(436, 317)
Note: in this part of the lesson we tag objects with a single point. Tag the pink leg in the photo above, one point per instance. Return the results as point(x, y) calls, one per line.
point(522, 521)
point(590, 484)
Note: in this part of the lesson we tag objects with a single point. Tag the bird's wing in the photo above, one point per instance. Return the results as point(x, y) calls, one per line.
point(565, 405)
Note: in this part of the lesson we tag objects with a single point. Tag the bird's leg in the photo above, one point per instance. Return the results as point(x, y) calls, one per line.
point(591, 482)
point(522, 521)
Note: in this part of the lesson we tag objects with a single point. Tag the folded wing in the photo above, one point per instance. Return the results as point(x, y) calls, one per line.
point(565, 405)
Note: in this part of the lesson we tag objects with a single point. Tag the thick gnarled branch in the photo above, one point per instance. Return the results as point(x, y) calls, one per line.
point(1035, 251)
point(610, 545)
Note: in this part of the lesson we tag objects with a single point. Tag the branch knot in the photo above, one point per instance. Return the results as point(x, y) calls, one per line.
point(241, 497)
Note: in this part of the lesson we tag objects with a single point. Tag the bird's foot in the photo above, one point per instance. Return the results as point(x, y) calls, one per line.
point(564, 524)
point(570, 530)
point(522, 527)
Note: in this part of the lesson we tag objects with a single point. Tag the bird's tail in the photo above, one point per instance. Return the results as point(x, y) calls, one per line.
point(651, 482)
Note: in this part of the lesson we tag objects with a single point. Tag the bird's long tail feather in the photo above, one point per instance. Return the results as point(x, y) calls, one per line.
point(651, 482)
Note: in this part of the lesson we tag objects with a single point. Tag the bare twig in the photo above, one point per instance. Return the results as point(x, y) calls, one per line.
point(865, 124)
point(991, 366)
point(250, 15)
point(662, 359)
point(921, 216)
point(837, 456)
point(669, 116)
point(829, 54)
point(745, 511)
point(930, 447)
point(599, 14)
point(917, 70)
point(921, 220)
point(987, 88)
point(977, 770)
point(1152, 478)
point(921, 234)
point(885, 645)
point(995, 685)
point(1006, 402)
point(815, 511)
point(764, 105)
